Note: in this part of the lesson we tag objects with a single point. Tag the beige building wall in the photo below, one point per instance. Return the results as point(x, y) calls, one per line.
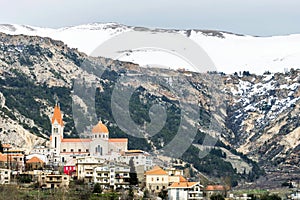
point(156, 183)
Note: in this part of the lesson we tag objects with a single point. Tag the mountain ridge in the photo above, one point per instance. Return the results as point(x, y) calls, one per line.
point(230, 52)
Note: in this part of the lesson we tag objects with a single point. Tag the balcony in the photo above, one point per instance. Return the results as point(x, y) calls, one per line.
point(53, 180)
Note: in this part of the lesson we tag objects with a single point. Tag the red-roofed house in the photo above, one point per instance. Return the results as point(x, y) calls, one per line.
point(185, 191)
point(216, 189)
point(34, 163)
point(158, 179)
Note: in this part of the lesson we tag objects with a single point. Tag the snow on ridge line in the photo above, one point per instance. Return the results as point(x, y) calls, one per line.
point(230, 53)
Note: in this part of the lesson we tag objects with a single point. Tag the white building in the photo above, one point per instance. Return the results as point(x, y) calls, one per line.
point(97, 144)
point(139, 158)
point(107, 173)
point(112, 175)
point(5, 176)
point(185, 191)
point(85, 167)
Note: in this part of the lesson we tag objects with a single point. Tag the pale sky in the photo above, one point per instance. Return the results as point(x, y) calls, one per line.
point(255, 17)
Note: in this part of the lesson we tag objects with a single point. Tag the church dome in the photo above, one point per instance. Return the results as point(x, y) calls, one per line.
point(100, 128)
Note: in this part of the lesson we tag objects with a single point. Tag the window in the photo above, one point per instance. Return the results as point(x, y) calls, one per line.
point(95, 136)
point(152, 179)
point(162, 179)
point(79, 150)
point(157, 187)
point(86, 150)
point(65, 178)
point(157, 178)
point(72, 150)
point(64, 150)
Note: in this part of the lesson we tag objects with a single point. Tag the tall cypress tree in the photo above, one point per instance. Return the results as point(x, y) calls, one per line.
point(1, 147)
point(133, 176)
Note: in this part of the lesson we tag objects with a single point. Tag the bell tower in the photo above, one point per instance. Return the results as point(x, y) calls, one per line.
point(57, 132)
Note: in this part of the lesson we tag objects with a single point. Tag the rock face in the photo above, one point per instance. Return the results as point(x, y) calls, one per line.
point(257, 115)
point(264, 116)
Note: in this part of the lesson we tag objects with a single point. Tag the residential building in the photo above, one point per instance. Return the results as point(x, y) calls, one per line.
point(70, 167)
point(34, 163)
point(111, 175)
point(175, 175)
point(85, 167)
point(216, 189)
point(5, 176)
point(185, 191)
point(53, 180)
point(142, 161)
point(13, 159)
point(157, 179)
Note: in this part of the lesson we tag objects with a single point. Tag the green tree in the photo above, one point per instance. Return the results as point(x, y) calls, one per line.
point(217, 197)
point(146, 194)
point(1, 147)
point(163, 194)
point(97, 188)
point(270, 197)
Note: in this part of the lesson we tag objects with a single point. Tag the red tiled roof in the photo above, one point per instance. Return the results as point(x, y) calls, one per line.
point(3, 157)
point(118, 140)
point(34, 160)
point(183, 184)
point(6, 145)
point(216, 188)
point(156, 171)
point(76, 140)
point(57, 116)
point(182, 179)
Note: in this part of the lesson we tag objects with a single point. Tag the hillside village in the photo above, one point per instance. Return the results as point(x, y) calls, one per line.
point(260, 124)
point(104, 165)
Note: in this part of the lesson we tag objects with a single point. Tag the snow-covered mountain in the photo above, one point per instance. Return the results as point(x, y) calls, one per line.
point(229, 52)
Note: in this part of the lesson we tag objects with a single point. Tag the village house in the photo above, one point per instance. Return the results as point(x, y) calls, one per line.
point(34, 163)
point(158, 179)
point(185, 191)
point(112, 175)
point(85, 167)
point(216, 189)
point(53, 180)
point(13, 159)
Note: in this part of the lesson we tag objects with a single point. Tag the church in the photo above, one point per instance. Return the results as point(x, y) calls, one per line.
point(98, 144)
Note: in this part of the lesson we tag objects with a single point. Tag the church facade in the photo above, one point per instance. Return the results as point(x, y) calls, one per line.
point(98, 144)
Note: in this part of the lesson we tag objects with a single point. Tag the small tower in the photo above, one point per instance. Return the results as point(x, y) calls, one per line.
point(100, 136)
point(57, 129)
